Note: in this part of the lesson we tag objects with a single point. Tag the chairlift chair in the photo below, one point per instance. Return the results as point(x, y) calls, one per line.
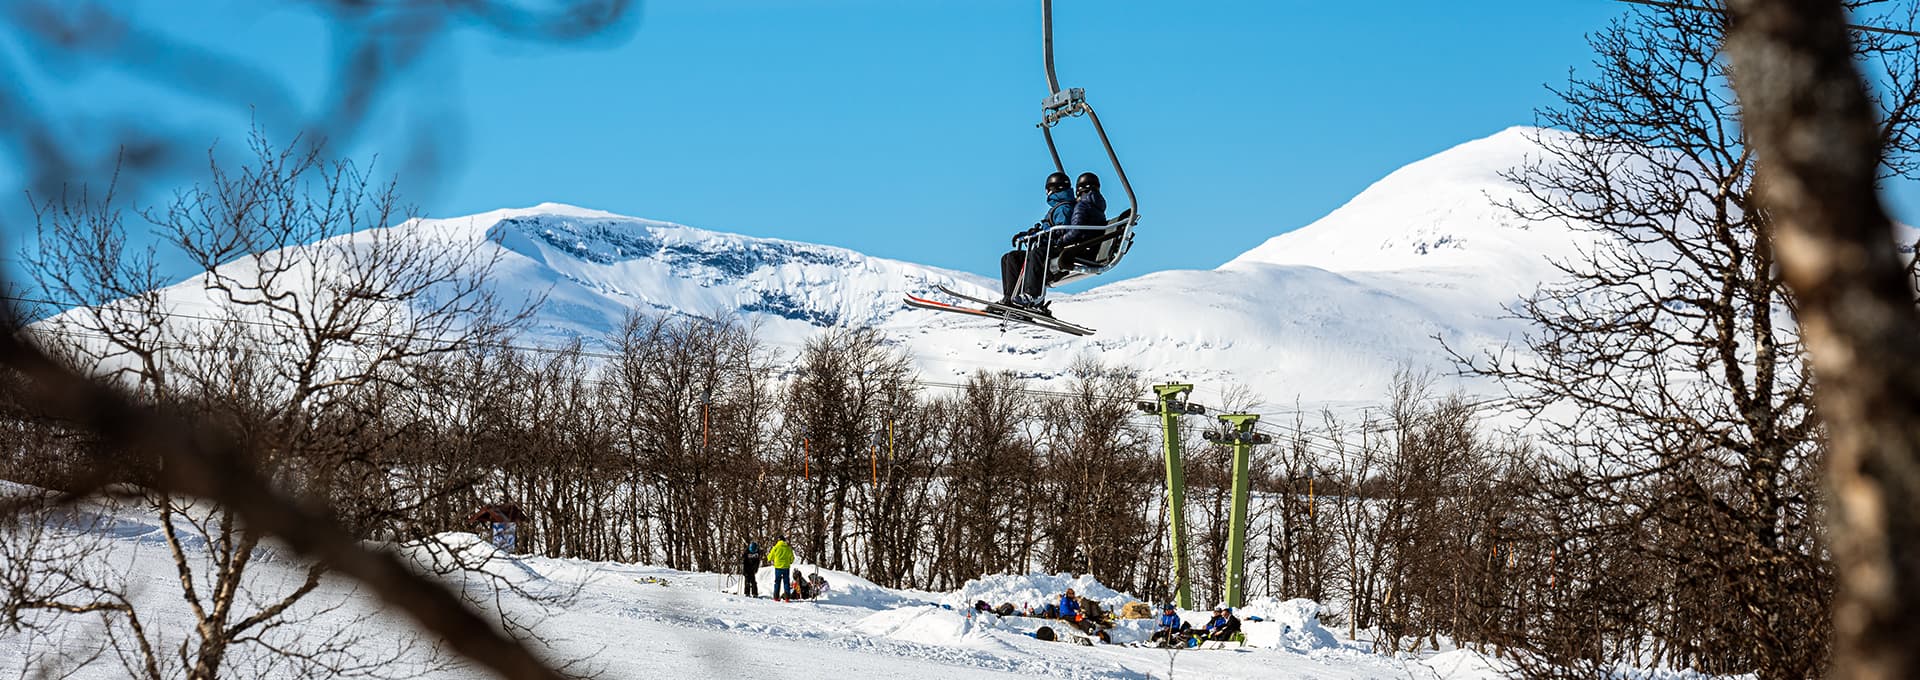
point(1099, 253)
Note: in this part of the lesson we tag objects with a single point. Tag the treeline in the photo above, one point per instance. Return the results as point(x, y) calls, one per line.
point(692, 437)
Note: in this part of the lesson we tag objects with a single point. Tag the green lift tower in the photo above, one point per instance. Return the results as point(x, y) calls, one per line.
point(1170, 405)
point(1241, 436)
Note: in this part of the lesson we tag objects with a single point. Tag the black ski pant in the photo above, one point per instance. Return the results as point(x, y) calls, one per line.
point(749, 566)
point(1023, 271)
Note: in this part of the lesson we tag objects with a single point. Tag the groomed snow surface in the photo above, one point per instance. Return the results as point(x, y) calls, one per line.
point(638, 621)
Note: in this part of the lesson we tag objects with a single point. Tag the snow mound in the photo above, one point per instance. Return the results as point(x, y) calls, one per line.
point(1293, 624)
point(842, 588)
point(1034, 590)
point(459, 551)
point(926, 625)
point(1466, 664)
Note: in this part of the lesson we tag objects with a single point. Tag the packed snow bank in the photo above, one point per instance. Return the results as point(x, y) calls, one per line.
point(1293, 625)
point(929, 625)
point(842, 588)
point(1468, 664)
point(1034, 590)
point(459, 551)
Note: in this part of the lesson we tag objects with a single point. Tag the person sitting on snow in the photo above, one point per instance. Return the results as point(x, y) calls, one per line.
point(816, 586)
point(1224, 624)
point(1172, 628)
point(1070, 606)
point(1076, 612)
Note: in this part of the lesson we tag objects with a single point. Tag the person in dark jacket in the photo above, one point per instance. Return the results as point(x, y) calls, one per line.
point(1023, 270)
point(750, 568)
point(1224, 624)
point(1089, 207)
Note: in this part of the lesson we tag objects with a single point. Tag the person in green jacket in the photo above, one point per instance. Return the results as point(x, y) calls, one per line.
point(781, 557)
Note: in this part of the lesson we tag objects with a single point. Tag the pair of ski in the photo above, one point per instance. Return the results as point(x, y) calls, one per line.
point(995, 310)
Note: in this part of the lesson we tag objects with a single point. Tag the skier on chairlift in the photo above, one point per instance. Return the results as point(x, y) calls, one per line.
point(1074, 241)
point(1023, 271)
point(1089, 207)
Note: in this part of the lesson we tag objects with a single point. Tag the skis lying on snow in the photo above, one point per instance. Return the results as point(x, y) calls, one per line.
point(995, 310)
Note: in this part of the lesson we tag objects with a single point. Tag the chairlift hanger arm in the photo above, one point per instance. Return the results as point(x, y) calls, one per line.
point(1073, 102)
point(1046, 29)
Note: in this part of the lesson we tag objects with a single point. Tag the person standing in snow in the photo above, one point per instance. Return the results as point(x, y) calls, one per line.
point(781, 557)
point(750, 567)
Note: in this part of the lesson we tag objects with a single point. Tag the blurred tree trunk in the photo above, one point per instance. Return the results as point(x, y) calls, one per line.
point(1820, 147)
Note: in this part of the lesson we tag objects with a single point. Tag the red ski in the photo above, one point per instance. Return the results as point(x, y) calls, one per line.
point(999, 312)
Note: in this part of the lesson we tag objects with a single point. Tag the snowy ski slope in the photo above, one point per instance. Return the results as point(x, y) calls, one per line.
point(638, 621)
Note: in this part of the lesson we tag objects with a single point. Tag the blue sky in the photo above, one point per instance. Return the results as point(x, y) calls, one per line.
point(904, 129)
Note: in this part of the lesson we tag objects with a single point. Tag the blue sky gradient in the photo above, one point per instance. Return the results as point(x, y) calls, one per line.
point(905, 129)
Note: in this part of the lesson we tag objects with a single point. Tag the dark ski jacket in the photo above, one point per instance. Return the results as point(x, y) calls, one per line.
point(753, 552)
point(1219, 629)
point(1090, 208)
point(1059, 208)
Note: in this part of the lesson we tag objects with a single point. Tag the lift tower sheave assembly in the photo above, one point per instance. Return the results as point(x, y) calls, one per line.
point(1242, 437)
point(1170, 405)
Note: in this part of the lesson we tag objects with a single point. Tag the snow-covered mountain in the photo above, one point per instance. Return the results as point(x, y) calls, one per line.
point(1319, 315)
point(596, 266)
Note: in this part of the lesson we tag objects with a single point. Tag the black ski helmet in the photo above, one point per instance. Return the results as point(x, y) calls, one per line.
point(1087, 181)
point(1057, 182)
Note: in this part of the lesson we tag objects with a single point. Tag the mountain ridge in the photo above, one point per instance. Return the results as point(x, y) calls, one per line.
point(1324, 314)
